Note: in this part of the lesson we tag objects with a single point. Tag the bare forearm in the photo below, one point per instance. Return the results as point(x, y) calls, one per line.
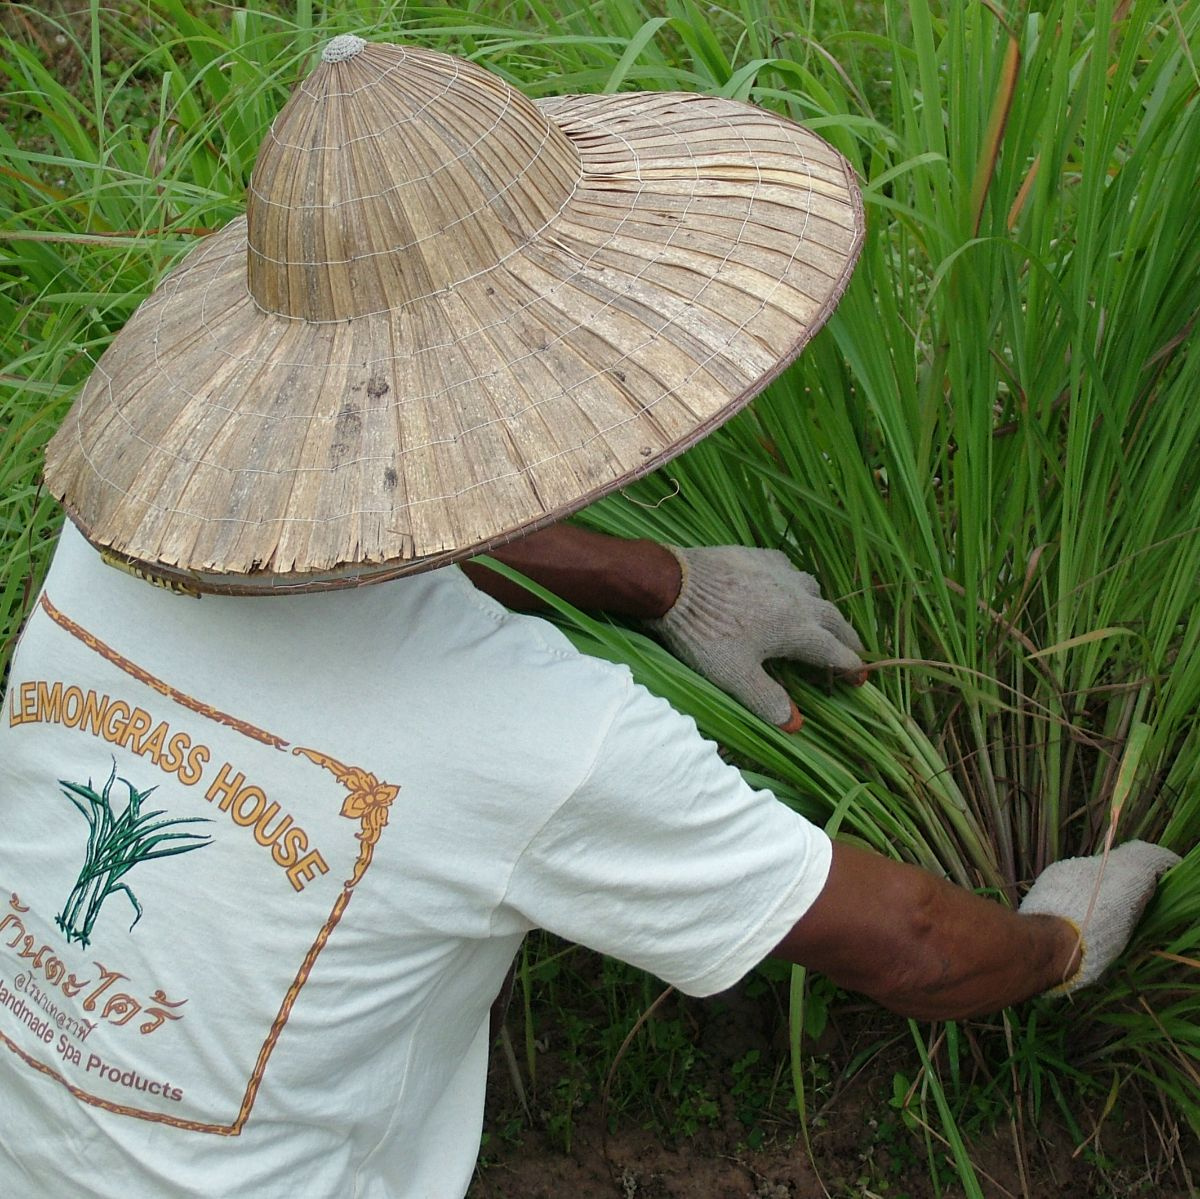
point(921, 946)
point(639, 578)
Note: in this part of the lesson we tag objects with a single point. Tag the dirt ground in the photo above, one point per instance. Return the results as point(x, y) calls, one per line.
point(860, 1145)
point(636, 1165)
point(847, 1163)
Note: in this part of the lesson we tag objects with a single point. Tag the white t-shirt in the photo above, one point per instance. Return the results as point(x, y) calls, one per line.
point(278, 983)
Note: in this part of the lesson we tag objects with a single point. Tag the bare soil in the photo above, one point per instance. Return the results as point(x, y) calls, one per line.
point(847, 1161)
point(860, 1146)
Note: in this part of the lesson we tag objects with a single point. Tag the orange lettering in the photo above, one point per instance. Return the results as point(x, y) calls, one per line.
point(261, 835)
point(225, 786)
point(139, 721)
point(19, 714)
point(273, 829)
point(95, 708)
point(198, 755)
point(303, 871)
point(114, 721)
point(72, 707)
point(152, 746)
point(239, 812)
point(49, 702)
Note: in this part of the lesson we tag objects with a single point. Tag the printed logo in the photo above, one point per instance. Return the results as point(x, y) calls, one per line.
point(228, 940)
point(117, 843)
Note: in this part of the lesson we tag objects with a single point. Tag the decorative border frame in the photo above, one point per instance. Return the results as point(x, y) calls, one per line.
point(368, 800)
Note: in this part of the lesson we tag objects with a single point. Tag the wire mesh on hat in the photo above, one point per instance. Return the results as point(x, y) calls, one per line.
point(451, 315)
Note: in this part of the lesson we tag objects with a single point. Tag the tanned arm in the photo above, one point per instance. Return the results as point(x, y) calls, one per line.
point(639, 579)
point(923, 947)
point(918, 945)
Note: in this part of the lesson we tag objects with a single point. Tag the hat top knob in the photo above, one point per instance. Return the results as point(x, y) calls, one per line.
point(345, 45)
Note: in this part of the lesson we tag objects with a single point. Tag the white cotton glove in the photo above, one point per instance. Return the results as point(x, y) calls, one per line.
point(739, 606)
point(1103, 900)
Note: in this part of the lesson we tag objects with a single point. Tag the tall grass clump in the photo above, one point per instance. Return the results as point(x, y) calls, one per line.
point(988, 457)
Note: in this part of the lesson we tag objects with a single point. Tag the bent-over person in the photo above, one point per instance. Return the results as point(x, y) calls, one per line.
point(282, 789)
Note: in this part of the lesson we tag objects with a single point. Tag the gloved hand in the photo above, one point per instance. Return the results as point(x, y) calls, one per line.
point(1122, 887)
point(739, 606)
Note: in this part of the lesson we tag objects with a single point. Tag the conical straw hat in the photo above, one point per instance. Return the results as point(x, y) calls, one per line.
point(451, 315)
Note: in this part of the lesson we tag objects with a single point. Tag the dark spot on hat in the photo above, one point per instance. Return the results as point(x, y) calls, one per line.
point(620, 375)
point(491, 291)
point(349, 421)
point(646, 451)
point(390, 478)
point(377, 386)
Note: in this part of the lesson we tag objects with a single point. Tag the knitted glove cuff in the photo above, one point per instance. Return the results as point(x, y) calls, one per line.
point(712, 627)
point(739, 606)
point(705, 606)
point(1103, 898)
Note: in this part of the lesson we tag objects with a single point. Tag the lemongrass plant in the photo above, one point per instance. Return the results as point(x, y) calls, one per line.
point(988, 458)
point(991, 462)
point(116, 843)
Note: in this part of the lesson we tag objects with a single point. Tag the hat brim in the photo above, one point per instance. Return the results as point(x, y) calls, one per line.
point(241, 451)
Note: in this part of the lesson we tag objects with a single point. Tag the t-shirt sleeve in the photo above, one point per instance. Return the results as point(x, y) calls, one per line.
point(664, 857)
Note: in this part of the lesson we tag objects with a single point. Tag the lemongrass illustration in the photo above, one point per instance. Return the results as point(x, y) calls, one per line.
point(116, 844)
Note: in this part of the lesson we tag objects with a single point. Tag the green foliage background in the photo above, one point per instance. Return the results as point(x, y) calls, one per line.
point(989, 457)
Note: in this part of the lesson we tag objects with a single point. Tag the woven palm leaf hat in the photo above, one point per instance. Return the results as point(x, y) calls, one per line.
point(450, 316)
